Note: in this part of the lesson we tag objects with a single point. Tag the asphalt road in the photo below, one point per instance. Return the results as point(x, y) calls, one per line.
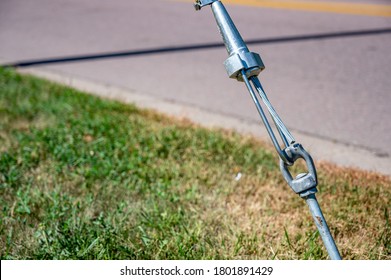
point(328, 70)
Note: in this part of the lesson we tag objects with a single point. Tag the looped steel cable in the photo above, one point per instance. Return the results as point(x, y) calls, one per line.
point(287, 136)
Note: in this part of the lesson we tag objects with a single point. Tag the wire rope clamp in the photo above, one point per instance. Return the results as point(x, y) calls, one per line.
point(305, 183)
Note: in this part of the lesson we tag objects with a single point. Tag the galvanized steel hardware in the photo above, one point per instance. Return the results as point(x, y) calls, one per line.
point(245, 66)
point(240, 58)
point(201, 3)
point(304, 183)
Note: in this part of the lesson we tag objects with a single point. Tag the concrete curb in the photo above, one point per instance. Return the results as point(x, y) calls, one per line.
point(320, 149)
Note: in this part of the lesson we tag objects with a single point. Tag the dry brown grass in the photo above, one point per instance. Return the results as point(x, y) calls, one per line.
point(86, 178)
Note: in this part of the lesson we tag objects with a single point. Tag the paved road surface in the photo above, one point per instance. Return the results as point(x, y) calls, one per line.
point(327, 71)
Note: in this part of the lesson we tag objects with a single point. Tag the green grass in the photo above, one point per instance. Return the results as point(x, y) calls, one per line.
point(86, 178)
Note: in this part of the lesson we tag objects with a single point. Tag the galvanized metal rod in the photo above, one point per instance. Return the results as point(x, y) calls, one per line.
point(232, 39)
point(323, 229)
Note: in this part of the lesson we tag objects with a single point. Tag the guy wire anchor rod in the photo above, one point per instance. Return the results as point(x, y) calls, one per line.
point(245, 66)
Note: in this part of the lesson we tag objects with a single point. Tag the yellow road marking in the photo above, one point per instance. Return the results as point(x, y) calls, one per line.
point(318, 6)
